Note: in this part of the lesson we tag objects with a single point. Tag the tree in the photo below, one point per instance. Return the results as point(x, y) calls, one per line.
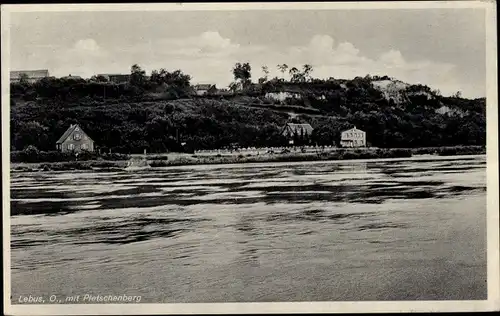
point(235, 86)
point(436, 92)
point(23, 79)
point(265, 70)
point(295, 75)
point(98, 78)
point(283, 68)
point(242, 73)
point(175, 83)
point(137, 76)
point(307, 69)
point(155, 77)
point(29, 133)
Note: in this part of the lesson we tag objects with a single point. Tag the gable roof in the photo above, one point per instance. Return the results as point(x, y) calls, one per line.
point(68, 132)
point(300, 128)
point(205, 86)
point(70, 77)
point(353, 129)
point(115, 76)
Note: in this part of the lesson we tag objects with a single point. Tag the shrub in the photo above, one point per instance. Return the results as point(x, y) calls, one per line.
point(115, 156)
point(400, 153)
point(31, 154)
point(158, 158)
point(158, 163)
point(87, 155)
point(462, 150)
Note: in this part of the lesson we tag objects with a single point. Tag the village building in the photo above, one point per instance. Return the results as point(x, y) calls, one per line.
point(204, 89)
point(297, 133)
point(31, 76)
point(353, 138)
point(75, 140)
point(71, 77)
point(116, 78)
point(282, 96)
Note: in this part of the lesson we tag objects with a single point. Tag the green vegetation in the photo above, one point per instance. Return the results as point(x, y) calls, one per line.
point(159, 113)
point(32, 155)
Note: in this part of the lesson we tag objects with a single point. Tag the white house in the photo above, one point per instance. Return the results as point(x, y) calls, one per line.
point(353, 138)
point(282, 96)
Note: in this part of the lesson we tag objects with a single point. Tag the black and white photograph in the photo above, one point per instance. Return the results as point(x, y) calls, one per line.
point(250, 157)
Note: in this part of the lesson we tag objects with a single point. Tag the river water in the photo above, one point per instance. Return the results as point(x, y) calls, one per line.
point(407, 229)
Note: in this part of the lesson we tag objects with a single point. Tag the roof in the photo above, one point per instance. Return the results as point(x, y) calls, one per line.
point(204, 86)
point(300, 128)
point(353, 129)
point(122, 76)
point(30, 73)
point(72, 77)
point(68, 132)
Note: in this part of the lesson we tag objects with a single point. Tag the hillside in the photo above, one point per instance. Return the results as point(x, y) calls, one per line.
point(125, 118)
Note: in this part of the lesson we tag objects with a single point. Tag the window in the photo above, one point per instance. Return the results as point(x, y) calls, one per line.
point(84, 147)
point(77, 136)
point(71, 146)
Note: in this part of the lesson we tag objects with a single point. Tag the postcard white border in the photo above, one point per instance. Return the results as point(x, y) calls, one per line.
point(491, 304)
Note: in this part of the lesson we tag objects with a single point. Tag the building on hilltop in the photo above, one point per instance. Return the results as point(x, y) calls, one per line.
point(297, 133)
point(353, 138)
point(75, 140)
point(31, 76)
point(116, 78)
point(204, 89)
point(281, 96)
point(71, 77)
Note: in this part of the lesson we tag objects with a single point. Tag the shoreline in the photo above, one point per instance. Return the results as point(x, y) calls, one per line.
point(155, 161)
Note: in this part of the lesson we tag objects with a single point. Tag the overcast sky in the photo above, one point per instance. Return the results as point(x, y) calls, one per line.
point(443, 48)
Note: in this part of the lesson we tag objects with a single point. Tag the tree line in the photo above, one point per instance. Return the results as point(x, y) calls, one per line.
point(157, 113)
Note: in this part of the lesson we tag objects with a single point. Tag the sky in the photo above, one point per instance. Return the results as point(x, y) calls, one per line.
point(442, 48)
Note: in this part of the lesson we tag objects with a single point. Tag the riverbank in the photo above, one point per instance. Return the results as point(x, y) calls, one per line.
point(178, 159)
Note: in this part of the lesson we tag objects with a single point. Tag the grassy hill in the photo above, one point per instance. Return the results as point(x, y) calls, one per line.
point(127, 118)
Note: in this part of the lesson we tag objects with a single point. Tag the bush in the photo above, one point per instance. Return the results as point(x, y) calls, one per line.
point(87, 155)
point(32, 155)
point(462, 150)
point(71, 165)
point(158, 158)
point(400, 153)
point(158, 163)
point(115, 156)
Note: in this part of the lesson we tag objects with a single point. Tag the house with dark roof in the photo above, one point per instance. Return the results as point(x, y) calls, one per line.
point(116, 78)
point(31, 76)
point(204, 89)
point(75, 140)
point(71, 77)
point(297, 133)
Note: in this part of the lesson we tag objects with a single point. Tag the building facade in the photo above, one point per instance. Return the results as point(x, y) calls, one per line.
point(116, 78)
point(75, 140)
point(297, 133)
point(31, 76)
point(353, 138)
point(204, 89)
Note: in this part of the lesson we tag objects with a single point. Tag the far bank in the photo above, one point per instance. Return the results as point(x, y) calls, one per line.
point(244, 156)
